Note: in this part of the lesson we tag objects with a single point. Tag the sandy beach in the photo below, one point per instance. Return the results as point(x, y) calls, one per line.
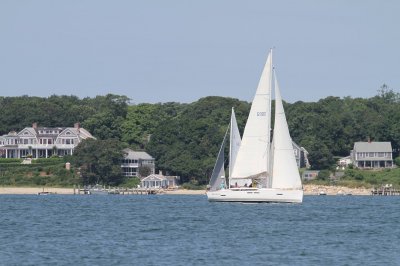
point(70, 191)
point(308, 190)
point(34, 190)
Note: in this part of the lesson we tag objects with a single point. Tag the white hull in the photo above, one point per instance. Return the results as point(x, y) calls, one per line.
point(256, 195)
point(97, 192)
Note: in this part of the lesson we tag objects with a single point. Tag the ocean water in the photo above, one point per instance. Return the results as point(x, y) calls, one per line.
point(188, 230)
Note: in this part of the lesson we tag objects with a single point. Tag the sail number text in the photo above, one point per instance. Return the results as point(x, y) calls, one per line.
point(261, 113)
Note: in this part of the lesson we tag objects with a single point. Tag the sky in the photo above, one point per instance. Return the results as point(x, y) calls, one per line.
point(182, 50)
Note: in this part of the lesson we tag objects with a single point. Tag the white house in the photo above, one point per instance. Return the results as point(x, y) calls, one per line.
point(344, 162)
point(154, 181)
point(159, 181)
point(42, 142)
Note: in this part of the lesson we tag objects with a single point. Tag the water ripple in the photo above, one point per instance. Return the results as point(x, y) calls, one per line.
point(188, 230)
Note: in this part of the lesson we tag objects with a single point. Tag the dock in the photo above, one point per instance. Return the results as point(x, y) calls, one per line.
point(386, 190)
point(119, 191)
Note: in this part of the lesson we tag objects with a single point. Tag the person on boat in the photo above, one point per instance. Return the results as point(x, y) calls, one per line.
point(222, 185)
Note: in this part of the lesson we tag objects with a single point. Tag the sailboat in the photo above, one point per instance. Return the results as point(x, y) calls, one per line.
point(260, 169)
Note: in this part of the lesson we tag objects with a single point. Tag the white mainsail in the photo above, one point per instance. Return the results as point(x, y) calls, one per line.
point(253, 155)
point(234, 142)
point(285, 172)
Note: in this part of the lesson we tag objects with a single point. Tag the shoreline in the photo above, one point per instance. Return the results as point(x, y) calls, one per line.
point(335, 190)
point(308, 190)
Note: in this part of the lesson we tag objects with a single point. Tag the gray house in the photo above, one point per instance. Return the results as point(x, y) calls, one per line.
point(301, 155)
point(133, 160)
point(368, 155)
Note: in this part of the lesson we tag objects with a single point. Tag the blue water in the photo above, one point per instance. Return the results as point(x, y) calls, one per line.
point(188, 230)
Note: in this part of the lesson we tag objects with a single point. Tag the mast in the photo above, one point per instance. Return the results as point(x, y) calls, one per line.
point(230, 150)
point(268, 151)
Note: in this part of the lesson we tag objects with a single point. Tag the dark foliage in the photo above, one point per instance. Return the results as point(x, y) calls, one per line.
point(185, 138)
point(99, 161)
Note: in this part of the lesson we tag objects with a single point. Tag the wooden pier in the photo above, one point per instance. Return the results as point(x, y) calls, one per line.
point(386, 190)
point(120, 191)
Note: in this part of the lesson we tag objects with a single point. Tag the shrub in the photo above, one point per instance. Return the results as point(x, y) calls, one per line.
point(193, 185)
point(358, 176)
point(397, 161)
point(10, 160)
point(131, 182)
point(324, 174)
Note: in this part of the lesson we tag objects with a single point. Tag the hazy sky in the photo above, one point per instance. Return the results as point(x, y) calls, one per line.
point(160, 51)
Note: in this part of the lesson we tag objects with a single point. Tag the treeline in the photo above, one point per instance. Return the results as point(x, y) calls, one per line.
point(102, 115)
point(185, 138)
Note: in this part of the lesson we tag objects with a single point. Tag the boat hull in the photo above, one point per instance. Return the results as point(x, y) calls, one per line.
point(256, 195)
point(97, 192)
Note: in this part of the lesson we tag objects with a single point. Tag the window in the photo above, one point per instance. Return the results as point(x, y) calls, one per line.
point(25, 141)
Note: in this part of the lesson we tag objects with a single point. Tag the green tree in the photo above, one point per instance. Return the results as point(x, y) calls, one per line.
point(110, 113)
point(144, 171)
point(143, 119)
point(397, 161)
point(99, 161)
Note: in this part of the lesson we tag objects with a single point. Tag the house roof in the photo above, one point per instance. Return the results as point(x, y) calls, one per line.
point(154, 177)
point(136, 155)
point(81, 132)
point(372, 147)
point(30, 130)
